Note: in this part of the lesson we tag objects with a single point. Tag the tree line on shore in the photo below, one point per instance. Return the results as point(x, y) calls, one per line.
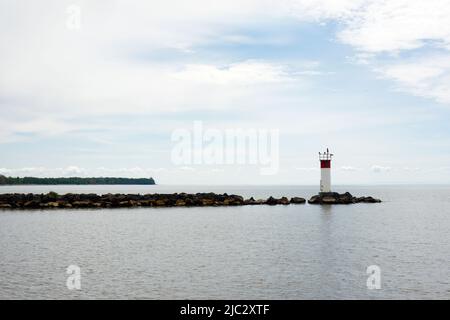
point(75, 181)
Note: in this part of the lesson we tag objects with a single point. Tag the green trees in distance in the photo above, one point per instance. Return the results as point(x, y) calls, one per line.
point(74, 180)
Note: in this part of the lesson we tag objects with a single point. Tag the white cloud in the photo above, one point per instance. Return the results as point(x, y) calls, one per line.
point(349, 168)
point(71, 171)
point(308, 169)
point(51, 74)
point(241, 73)
point(94, 70)
point(411, 169)
point(185, 168)
point(395, 25)
point(427, 77)
point(318, 10)
point(398, 26)
point(379, 27)
point(379, 169)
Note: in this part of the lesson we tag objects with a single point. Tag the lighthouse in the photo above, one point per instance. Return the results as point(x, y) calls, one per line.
point(325, 171)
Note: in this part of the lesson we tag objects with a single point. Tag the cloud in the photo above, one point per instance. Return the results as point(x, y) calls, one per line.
point(379, 169)
point(396, 25)
point(426, 77)
point(308, 169)
point(349, 168)
point(185, 168)
point(51, 74)
point(241, 73)
point(119, 62)
point(71, 171)
point(319, 10)
point(393, 27)
point(381, 31)
point(411, 169)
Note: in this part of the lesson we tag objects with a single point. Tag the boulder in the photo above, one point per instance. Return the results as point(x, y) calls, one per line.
point(336, 198)
point(81, 204)
point(329, 200)
point(271, 201)
point(125, 204)
point(314, 200)
point(180, 203)
point(208, 202)
point(297, 200)
point(31, 204)
point(370, 200)
point(53, 204)
point(250, 201)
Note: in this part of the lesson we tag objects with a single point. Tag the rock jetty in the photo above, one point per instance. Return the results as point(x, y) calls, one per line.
point(67, 201)
point(336, 198)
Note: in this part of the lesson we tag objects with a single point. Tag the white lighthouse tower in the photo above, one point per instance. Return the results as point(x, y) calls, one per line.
point(325, 171)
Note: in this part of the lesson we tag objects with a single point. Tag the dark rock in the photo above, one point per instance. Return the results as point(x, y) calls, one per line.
point(330, 200)
point(336, 198)
point(81, 204)
point(160, 203)
point(250, 201)
point(314, 200)
point(271, 201)
point(283, 201)
point(125, 204)
point(180, 203)
point(253, 202)
point(31, 204)
point(53, 200)
point(207, 202)
point(53, 204)
point(370, 200)
point(297, 200)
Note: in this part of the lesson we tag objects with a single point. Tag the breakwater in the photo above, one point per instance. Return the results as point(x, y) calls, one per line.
point(67, 201)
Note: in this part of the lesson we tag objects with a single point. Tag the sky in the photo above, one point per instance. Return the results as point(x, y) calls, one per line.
point(102, 87)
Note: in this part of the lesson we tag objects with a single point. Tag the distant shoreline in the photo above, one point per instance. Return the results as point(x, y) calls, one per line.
point(33, 181)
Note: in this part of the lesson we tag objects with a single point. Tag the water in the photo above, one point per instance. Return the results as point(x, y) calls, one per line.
point(251, 252)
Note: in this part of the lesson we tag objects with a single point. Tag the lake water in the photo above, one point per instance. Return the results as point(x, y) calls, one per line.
point(250, 252)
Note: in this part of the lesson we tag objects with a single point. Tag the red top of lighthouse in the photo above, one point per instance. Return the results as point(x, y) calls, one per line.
point(325, 159)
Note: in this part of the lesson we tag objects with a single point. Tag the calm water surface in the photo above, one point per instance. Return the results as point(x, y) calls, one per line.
point(251, 252)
